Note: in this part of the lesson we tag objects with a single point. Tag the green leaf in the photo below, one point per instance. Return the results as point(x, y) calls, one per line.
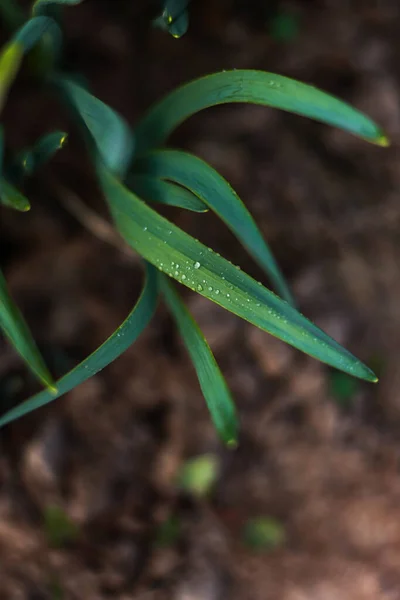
point(10, 62)
point(34, 30)
point(109, 131)
point(254, 87)
point(11, 197)
point(13, 325)
point(264, 533)
point(32, 159)
point(113, 347)
point(188, 261)
point(165, 192)
point(12, 14)
point(199, 475)
point(212, 382)
point(204, 181)
point(41, 5)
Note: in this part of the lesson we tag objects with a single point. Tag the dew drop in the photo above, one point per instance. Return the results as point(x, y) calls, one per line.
point(183, 277)
point(210, 289)
point(217, 292)
point(200, 288)
point(197, 265)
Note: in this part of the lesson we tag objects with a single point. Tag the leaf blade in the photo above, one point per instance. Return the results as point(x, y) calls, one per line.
point(119, 341)
point(188, 261)
point(212, 382)
point(216, 193)
point(14, 327)
point(110, 133)
point(10, 196)
point(254, 87)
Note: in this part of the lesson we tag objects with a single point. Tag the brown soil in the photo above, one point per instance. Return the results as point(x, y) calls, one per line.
point(109, 452)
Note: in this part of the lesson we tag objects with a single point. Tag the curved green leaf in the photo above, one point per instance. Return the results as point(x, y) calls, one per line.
point(165, 192)
point(11, 197)
point(254, 87)
point(13, 325)
point(109, 131)
point(212, 382)
point(188, 261)
point(204, 181)
point(33, 31)
point(113, 347)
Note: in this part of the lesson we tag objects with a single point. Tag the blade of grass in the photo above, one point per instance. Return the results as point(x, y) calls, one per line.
point(165, 192)
point(212, 382)
point(206, 183)
point(31, 159)
point(254, 87)
point(14, 327)
point(40, 5)
point(113, 347)
point(188, 261)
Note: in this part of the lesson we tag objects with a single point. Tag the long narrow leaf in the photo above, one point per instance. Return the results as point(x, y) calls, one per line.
point(254, 87)
point(113, 347)
point(204, 181)
point(188, 261)
point(13, 325)
point(212, 382)
point(33, 31)
point(110, 132)
point(165, 192)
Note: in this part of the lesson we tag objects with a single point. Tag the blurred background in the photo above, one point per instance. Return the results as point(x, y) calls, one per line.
point(121, 489)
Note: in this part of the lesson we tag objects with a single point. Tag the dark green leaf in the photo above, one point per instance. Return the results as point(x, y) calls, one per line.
point(255, 87)
point(188, 261)
point(212, 382)
point(165, 192)
point(174, 18)
point(109, 131)
point(201, 179)
point(113, 347)
point(13, 325)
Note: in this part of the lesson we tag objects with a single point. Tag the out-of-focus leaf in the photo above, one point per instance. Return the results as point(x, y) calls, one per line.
point(212, 382)
point(156, 190)
point(109, 131)
point(41, 5)
point(199, 475)
point(204, 181)
point(11, 14)
point(113, 347)
point(11, 197)
point(174, 18)
point(263, 533)
point(188, 261)
point(59, 528)
point(13, 326)
point(168, 532)
point(34, 30)
point(31, 159)
point(10, 62)
point(343, 388)
point(254, 87)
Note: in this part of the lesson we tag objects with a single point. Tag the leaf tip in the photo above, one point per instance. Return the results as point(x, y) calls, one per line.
point(383, 141)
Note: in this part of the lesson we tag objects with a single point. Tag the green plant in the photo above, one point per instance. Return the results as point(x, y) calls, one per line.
point(134, 170)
